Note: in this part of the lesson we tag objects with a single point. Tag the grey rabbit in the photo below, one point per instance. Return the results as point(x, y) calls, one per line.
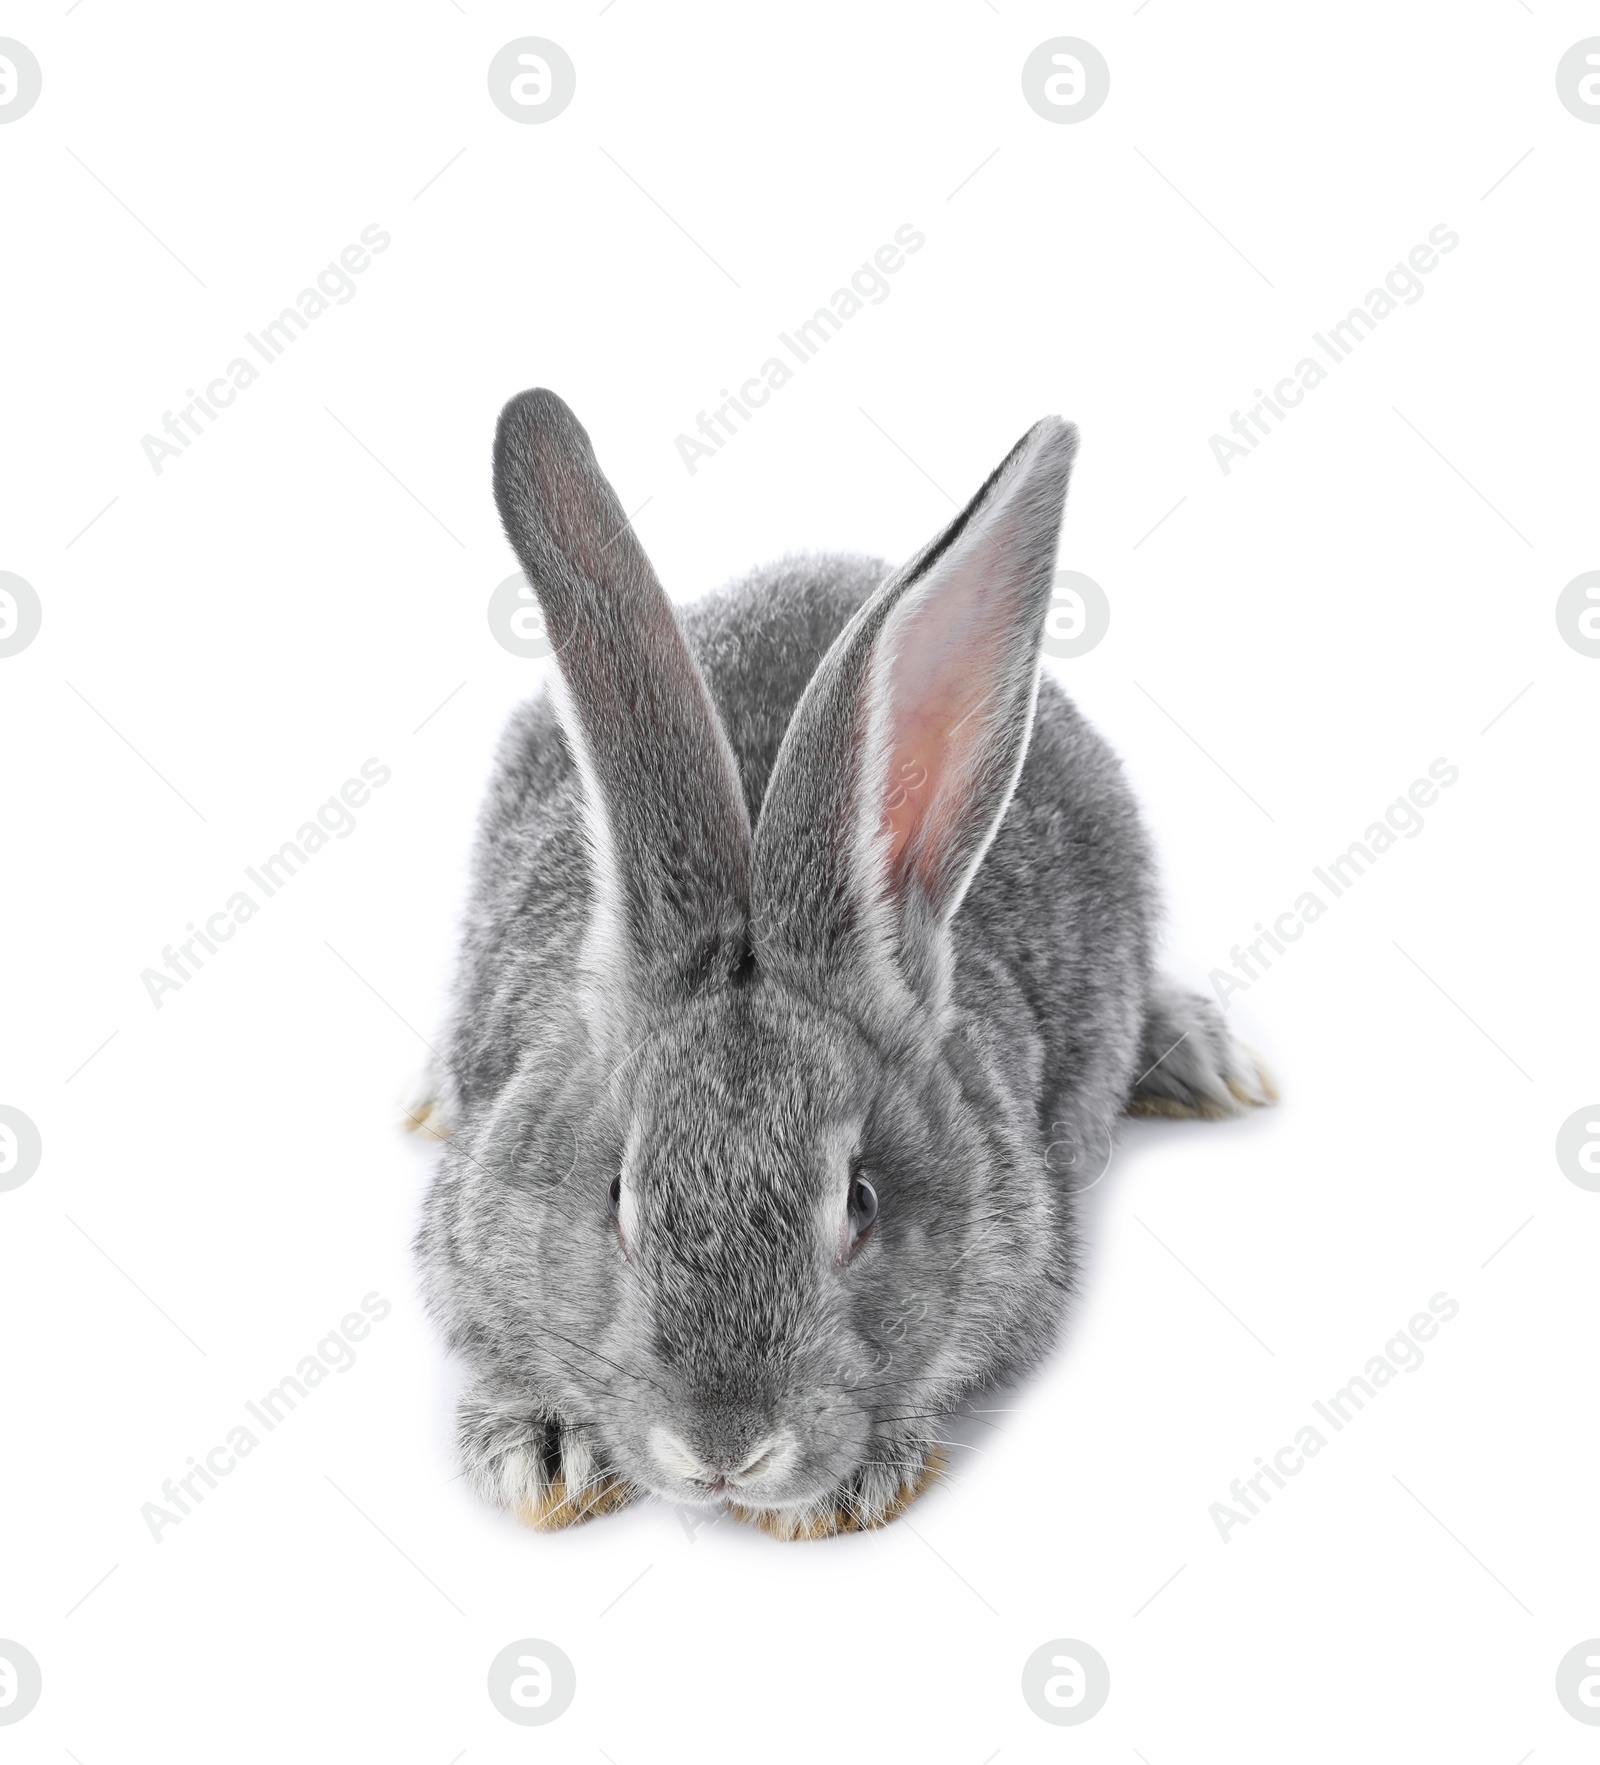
point(807, 970)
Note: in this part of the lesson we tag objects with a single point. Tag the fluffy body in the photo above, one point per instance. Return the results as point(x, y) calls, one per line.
point(721, 1341)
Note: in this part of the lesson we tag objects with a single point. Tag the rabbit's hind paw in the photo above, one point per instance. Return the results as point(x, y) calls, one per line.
point(1195, 1071)
point(427, 1122)
point(427, 1107)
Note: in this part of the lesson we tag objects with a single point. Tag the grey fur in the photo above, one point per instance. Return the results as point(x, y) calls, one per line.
point(728, 1020)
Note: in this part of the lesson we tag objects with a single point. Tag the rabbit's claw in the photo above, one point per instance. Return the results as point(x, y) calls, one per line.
point(873, 1497)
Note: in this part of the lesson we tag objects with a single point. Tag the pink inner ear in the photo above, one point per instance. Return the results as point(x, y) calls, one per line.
point(946, 667)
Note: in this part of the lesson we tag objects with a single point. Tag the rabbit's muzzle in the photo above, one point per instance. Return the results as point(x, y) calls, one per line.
point(724, 1461)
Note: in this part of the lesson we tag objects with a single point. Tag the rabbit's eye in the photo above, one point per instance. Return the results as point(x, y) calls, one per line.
point(614, 1193)
point(863, 1208)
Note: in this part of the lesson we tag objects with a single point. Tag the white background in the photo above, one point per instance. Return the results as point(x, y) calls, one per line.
point(1363, 594)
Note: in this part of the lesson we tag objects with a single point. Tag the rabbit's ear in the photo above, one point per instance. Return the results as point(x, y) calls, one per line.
point(669, 831)
point(904, 750)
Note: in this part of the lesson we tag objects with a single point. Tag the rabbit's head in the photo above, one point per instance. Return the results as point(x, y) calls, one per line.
point(762, 1182)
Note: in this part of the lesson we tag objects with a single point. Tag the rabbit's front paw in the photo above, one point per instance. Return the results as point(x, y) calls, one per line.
point(873, 1496)
point(545, 1470)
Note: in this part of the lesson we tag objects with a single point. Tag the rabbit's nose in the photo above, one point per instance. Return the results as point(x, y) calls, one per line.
point(717, 1467)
